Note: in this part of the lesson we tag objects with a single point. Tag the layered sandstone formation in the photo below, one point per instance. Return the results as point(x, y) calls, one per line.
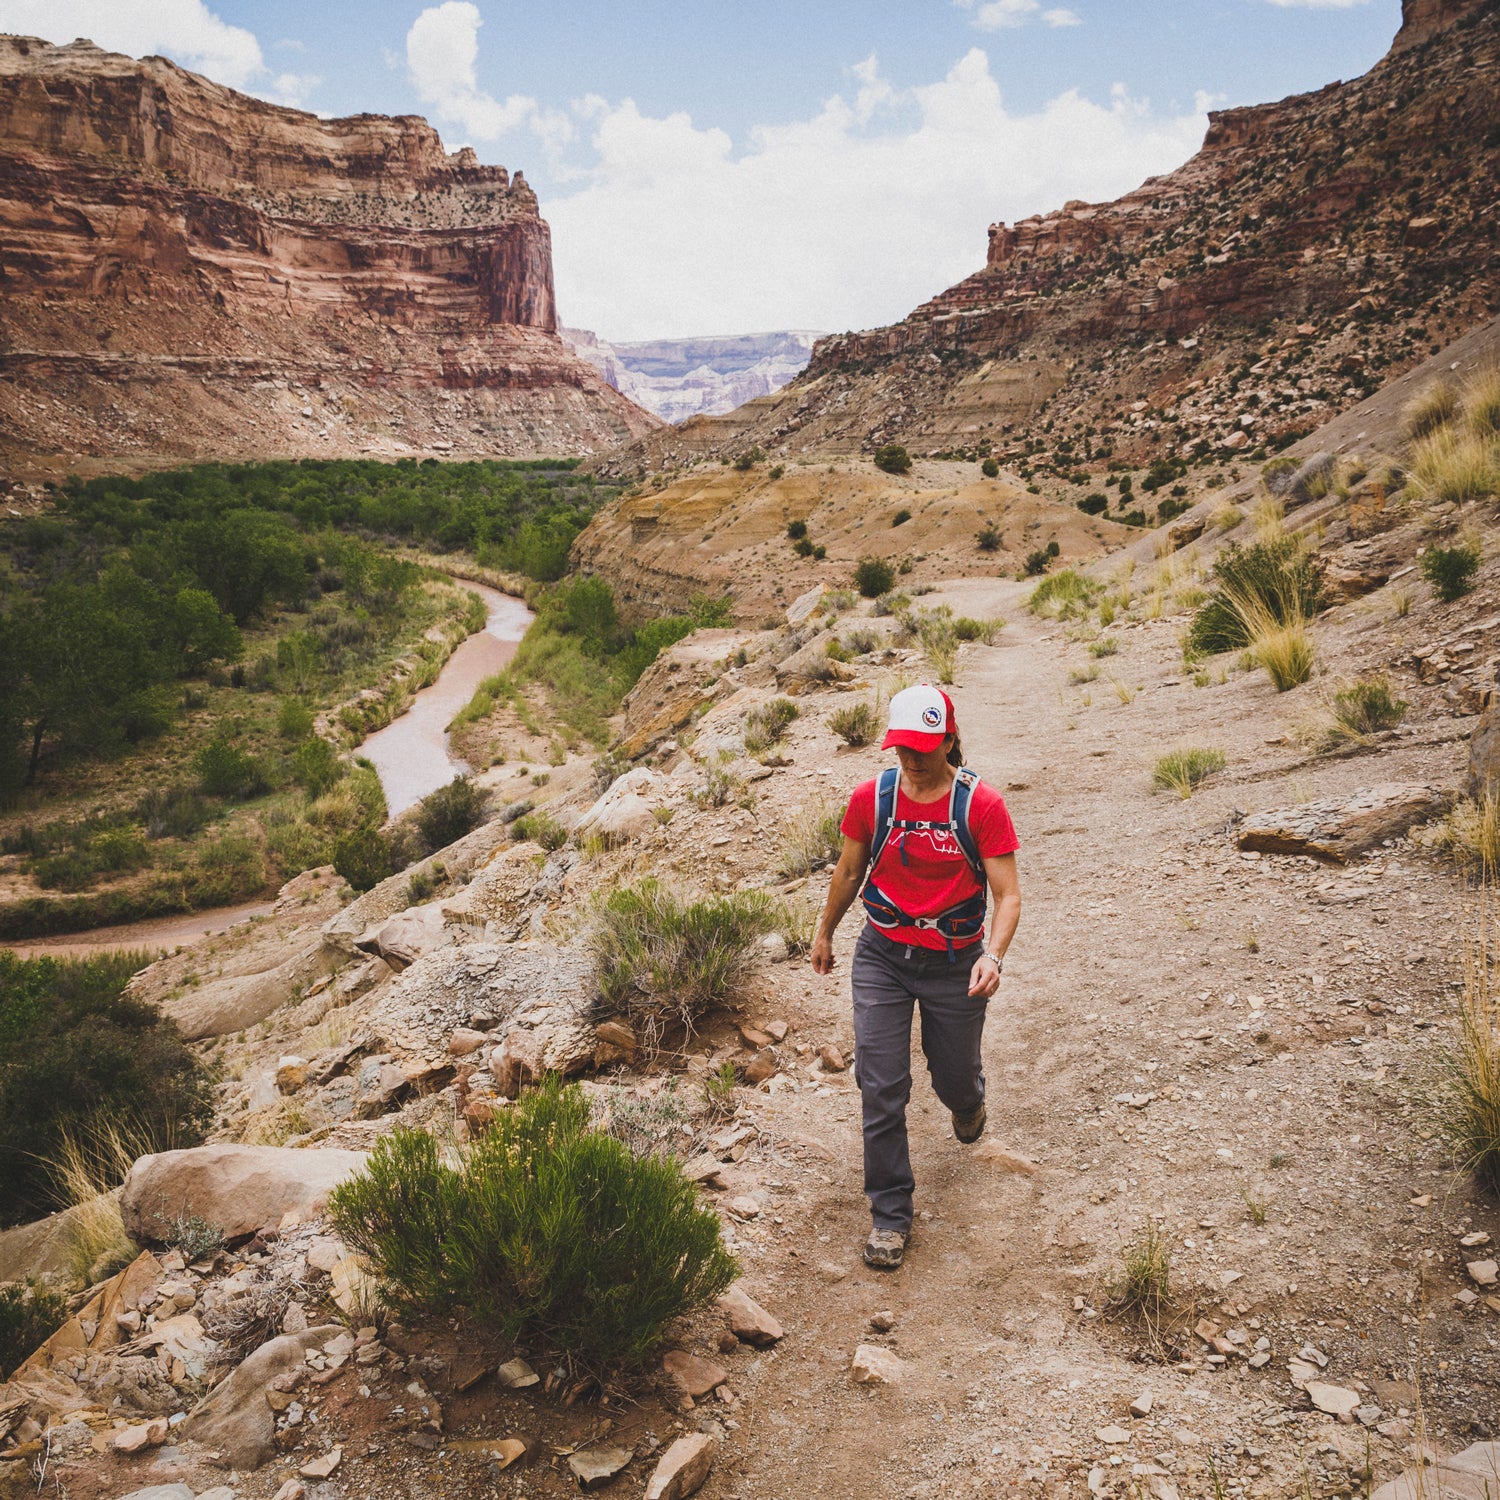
point(189, 272)
point(1356, 223)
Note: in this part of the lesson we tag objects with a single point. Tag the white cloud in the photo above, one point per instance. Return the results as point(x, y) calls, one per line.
point(847, 219)
point(1001, 15)
point(441, 50)
point(1318, 4)
point(184, 30)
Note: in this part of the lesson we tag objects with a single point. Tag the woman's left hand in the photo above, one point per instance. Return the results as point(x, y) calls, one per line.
point(984, 977)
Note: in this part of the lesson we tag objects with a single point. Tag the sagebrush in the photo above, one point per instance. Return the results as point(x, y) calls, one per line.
point(541, 1229)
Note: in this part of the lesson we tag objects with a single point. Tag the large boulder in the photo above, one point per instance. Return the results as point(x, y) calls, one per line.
point(1335, 829)
point(623, 813)
point(237, 1188)
point(43, 1248)
point(1484, 753)
point(234, 1002)
point(403, 938)
point(235, 1417)
point(1473, 1474)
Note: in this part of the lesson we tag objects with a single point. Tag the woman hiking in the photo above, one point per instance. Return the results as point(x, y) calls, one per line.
point(934, 839)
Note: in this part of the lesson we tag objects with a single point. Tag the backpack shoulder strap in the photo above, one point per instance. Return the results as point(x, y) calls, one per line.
point(959, 802)
point(885, 811)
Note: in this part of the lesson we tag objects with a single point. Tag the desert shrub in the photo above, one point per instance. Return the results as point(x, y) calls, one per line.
point(294, 720)
point(227, 771)
point(901, 517)
point(1276, 473)
point(1431, 411)
point(796, 530)
point(1455, 466)
point(1451, 570)
point(967, 629)
point(803, 547)
point(542, 828)
point(195, 1236)
point(74, 1048)
point(1364, 708)
point(777, 470)
point(363, 857)
point(1284, 650)
point(809, 840)
point(873, 576)
point(856, 724)
point(1037, 562)
point(990, 468)
point(766, 723)
point(175, 812)
point(748, 459)
point(1064, 594)
point(1094, 505)
point(1271, 581)
point(542, 1229)
point(939, 642)
point(892, 458)
point(890, 604)
point(316, 766)
point(29, 1316)
point(1181, 770)
point(1169, 510)
point(861, 642)
point(1471, 832)
point(450, 812)
point(665, 961)
point(1107, 645)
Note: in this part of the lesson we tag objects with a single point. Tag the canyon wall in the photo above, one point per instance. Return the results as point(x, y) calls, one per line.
point(188, 272)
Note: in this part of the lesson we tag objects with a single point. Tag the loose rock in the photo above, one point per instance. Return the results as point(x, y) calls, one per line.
point(876, 1366)
point(683, 1467)
point(593, 1467)
point(748, 1320)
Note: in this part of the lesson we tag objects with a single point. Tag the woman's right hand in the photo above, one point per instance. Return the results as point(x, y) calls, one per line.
point(822, 955)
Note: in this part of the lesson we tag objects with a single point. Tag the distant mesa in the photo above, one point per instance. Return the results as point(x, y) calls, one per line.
point(681, 378)
point(188, 272)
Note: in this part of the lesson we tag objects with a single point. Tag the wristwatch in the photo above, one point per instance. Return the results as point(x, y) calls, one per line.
point(998, 961)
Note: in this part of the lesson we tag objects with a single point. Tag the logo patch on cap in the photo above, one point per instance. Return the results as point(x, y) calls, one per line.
point(932, 717)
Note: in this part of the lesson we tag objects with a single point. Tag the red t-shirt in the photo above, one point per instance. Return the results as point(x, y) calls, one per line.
point(935, 874)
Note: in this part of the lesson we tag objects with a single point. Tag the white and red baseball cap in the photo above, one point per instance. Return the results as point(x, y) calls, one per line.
point(920, 717)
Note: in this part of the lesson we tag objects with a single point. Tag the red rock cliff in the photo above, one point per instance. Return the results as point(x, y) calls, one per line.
point(198, 273)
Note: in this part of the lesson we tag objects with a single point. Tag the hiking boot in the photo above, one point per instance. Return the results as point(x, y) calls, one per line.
point(968, 1128)
point(885, 1249)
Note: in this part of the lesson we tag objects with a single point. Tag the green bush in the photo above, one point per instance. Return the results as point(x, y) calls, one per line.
point(1063, 594)
point(767, 723)
point(873, 576)
point(363, 857)
point(175, 812)
point(665, 962)
point(857, 724)
point(227, 771)
point(796, 530)
point(1181, 770)
point(1451, 570)
point(1037, 562)
point(1094, 505)
point(1366, 707)
point(542, 1229)
point(540, 828)
point(316, 766)
point(749, 458)
point(450, 812)
point(294, 720)
point(893, 459)
point(75, 1048)
point(29, 1316)
point(990, 468)
point(901, 517)
point(1273, 580)
point(988, 539)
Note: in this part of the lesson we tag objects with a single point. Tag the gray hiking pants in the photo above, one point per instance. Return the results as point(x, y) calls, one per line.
point(887, 978)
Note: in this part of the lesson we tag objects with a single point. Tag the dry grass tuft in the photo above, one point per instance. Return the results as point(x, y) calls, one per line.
point(1454, 466)
point(88, 1169)
point(1435, 408)
point(1181, 770)
point(1471, 1115)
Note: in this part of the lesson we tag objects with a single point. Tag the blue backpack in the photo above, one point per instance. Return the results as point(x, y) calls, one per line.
point(963, 922)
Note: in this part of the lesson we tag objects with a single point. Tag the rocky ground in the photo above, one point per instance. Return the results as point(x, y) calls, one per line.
point(1238, 1048)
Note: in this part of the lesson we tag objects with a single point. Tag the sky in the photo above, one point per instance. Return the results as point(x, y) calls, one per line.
point(709, 167)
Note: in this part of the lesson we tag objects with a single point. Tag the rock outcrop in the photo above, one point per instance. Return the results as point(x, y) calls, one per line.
point(1310, 250)
point(191, 272)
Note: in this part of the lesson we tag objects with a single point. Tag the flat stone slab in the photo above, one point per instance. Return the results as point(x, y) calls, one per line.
point(1473, 1474)
point(1335, 829)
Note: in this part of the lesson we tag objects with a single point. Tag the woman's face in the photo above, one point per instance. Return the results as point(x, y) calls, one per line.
point(923, 765)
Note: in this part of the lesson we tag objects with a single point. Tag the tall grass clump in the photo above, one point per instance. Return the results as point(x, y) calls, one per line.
point(809, 840)
point(857, 724)
point(1431, 411)
point(1482, 404)
point(1455, 466)
point(1471, 1098)
point(1256, 588)
point(542, 1229)
point(766, 723)
point(665, 961)
point(1063, 595)
point(1471, 833)
point(77, 1049)
point(1142, 1287)
point(450, 812)
point(1181, 770)
point(88, 1165)
point(1451, 570)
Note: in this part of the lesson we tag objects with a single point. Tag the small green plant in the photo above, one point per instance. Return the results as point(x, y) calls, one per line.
point(450, 812)
point(873, 576)
point(1081, 675)
point(1451, 570)
point(1064, 595)
point(777, 470)
point(29, 1316)
point(990, 468)
point(984, 631)
point(1106, 646)
point(195, 1237)
point(892, 458)
point(1257, 588)
point(718, 1091)
point(1256, 1207)
point(1286, 652)
point(989, 539)
point(542, 1228)
point(796, 530)
point(542, 828)
point(1094, 505)
point(901, 517)
point(749, 458)
point(1362, 709)
point(363, 857)
point(227, 771)
point(294, 720)
point(663, 815)
point(856, 724)
point(891, 604)
point(1182, 770)
point(664, 961)
point(1142, 1287)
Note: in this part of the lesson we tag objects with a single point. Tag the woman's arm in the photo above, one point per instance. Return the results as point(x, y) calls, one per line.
point(1005, 887)
point(848, 876)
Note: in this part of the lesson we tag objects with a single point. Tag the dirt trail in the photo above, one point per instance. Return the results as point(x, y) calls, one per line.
point(1230, 996)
